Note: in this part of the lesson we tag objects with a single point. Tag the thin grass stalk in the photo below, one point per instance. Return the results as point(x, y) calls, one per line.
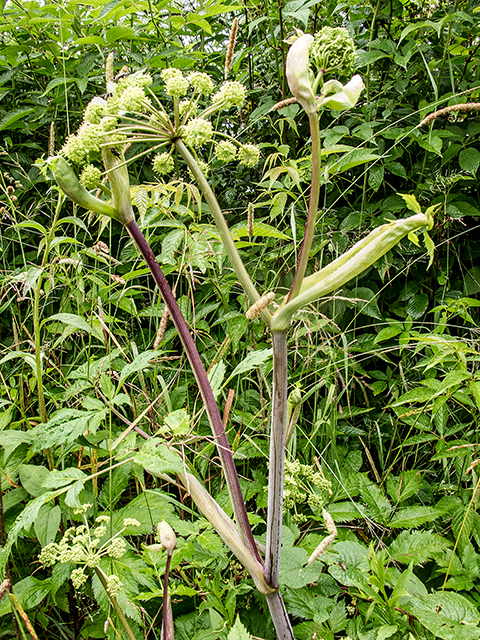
point(116, 606)
point(213, 413)
point(222, 227)
point(276, 470)
point(312, 205)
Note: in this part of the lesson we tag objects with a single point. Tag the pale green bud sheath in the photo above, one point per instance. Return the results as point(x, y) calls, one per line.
point(68, 182)
point(298, 73)
point(348, 266)
point(119, 183)
point(338, 97)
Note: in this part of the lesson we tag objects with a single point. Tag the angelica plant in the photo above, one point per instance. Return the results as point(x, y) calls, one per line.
point(176, 124)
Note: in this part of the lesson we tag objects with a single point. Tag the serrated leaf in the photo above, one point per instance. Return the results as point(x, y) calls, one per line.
point(294, 570)
point(375, 176)
point(417, 305)
point(139, 363)
point(447, 615)
point(13, 116)
point(462, 525)
point(410, 517)
point(141, 200)
point(29, 591)
point(352, 159)
point(379, 507)
point(238, 631)
point(170, 244)
point(72, 320)
point(417, 546)
point(430, 247)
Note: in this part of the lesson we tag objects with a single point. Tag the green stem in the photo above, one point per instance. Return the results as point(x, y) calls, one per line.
point(113, 600)
point(312, 205)
point(222, 227)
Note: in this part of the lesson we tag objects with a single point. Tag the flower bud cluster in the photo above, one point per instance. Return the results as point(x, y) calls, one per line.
point(249, 155)
point(201, 82)
point(225, 151)
point(197, 132)
point(90, 177)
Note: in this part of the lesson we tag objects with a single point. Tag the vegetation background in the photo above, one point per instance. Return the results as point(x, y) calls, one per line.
point(388, 368)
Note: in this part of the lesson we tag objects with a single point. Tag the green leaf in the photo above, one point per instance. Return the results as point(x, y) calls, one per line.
point(158, 459)
point(417, 547)
point(12, 116)
point(260, 229)
point(61, 478)
point(388, 332)
point(238, 631)
point(149, 508)
point(417, 305)
point(139, 363)
point(47, 523)
point(411, 202)
point(120, 32)
point(352, 159)
point(253, 360)
point(31, 477)
point(375, 176)
point(170, 244)
point(469, 159)
point(409, 517)
point(10, 440)
point(449, 616)
point(379, 507)
point(61, 81)
point(74, 321)
point(65, 426)
point(294, 570)
point(29, 591)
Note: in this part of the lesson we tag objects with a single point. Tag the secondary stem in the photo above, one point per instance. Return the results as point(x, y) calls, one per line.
point(277, 458)
point(119, 612)
point(222, 227)
point(312, 205)
point(216, 423)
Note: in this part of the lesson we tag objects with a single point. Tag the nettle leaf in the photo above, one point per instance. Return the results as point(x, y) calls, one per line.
point(294, 570)
point(138, 364)
point(469, 159)
point(417, 546)
point(379, 507)
point(449, 616)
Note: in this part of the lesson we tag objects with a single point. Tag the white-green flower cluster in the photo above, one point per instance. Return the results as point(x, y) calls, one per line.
point(231, 94)
point(95, 111)
point(163, 163)
point(197, 132)
point(249, 155)
point(114, 585)
point(225, 151)
point(201, 82)
point(81, 545)
point(90, 177)
point(301, 480)
point(187, 106)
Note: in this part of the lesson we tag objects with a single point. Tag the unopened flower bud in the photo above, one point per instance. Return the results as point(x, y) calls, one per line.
point(225, 151)
point(298, 73)
point(167, 536)
point(163, 163)
point(197, 132)
point(249, 155)
point(232, 94)
point(201, 82)
point(90, 177)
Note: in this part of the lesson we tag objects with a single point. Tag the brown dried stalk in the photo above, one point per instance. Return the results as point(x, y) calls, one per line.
point(231, 47)
point(466, 106)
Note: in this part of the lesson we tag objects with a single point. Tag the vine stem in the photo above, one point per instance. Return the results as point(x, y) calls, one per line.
point(277, 458)
point(201, 377)
point(227, 240)
point(113, 600)
point(312, 205)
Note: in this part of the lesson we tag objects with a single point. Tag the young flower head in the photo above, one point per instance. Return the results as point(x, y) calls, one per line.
point(170, 72)
point(176, 86)
point(201, 82)
point(186, 106)
point(78, 578)
point(95, 110)
point(163, 163)
point(90, 177)
point(333, 51)
point(225, 151)
point(117, 548)
point(249, 155)
point(232, 94)
point(197, 132)
point(133, 99)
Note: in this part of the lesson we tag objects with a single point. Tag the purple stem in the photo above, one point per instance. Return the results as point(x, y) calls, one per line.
point(165, 635)
point(216, 423)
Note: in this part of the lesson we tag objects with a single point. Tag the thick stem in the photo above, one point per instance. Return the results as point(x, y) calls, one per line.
point(222, 227)
point(280, 617)
point(277, 458)
point(115, 604)
point(312, 205)
point(215, 420)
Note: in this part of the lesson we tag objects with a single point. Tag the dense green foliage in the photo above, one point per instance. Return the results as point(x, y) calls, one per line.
point(387, 438)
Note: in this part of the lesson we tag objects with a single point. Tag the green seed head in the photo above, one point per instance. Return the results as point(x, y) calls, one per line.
point(333, 50)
